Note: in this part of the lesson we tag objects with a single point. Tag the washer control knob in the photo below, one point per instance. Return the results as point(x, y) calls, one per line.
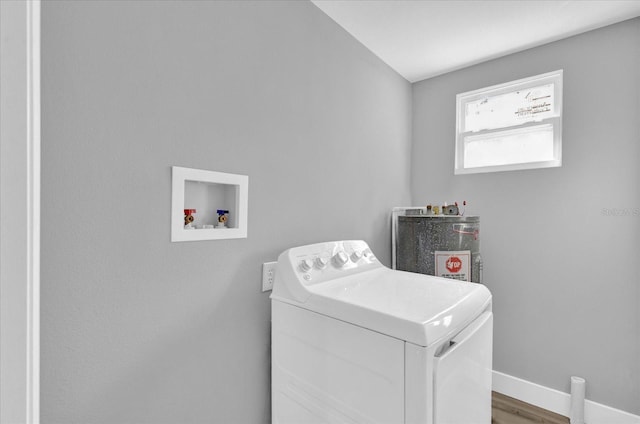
point(356, 256)
point(369, 255)
point(306, 265)
point(340, 259)
point(321, 263)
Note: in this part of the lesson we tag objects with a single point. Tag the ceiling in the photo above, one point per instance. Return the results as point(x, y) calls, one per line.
point(424, 38)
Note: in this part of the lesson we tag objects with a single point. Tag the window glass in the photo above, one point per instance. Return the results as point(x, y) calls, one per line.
point(509, 109)
point(534, 144)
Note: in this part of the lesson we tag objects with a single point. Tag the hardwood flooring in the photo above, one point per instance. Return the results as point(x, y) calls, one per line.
point(507, 410)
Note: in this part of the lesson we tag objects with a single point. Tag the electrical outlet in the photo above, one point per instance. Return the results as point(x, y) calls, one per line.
point(268, 275)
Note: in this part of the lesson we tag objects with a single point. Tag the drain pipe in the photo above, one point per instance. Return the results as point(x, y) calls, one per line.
point(577, 400)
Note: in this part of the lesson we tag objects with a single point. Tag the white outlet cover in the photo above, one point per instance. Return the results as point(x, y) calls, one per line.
point(268, 275)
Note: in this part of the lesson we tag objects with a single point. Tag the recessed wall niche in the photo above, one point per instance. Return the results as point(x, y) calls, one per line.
point(216, 201)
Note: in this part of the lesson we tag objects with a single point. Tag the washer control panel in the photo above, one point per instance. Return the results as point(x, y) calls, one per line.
point(320, 262)
point(303, 269)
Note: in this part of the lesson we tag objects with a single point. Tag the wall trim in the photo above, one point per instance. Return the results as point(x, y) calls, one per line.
point(557, 401)
point(20, 199)
point(33, 211)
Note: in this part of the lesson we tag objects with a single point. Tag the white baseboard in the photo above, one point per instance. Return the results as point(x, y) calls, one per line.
point(557, 401)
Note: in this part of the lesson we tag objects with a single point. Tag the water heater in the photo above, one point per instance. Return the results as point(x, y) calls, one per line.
point(442, 245)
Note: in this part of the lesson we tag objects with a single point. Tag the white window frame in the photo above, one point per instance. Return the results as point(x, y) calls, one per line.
point(555, 120)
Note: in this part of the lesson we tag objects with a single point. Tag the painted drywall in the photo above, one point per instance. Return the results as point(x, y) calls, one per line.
point(136, 328)
point(560, 245)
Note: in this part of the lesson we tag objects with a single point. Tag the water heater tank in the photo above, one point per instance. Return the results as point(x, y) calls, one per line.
point(443, 245)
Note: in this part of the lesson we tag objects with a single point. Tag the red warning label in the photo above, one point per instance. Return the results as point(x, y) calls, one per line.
point(453, 264)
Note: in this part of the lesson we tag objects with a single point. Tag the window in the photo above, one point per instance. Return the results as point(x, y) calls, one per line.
point(516, 125)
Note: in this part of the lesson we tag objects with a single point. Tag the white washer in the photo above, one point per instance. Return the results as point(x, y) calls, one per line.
point(356, 342)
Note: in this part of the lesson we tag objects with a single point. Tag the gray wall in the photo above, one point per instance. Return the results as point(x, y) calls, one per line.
point(562, 269)
point(138, 329)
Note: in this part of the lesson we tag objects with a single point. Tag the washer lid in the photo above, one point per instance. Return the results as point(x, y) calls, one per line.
point(420, 309)
point(344, 280)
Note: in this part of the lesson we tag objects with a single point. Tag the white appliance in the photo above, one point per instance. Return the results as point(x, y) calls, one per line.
point(356, 342)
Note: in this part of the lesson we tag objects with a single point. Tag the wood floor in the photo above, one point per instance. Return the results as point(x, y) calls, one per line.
point(507, 410)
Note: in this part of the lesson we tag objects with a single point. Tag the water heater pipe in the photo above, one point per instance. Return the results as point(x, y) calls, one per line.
point(577, 400)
